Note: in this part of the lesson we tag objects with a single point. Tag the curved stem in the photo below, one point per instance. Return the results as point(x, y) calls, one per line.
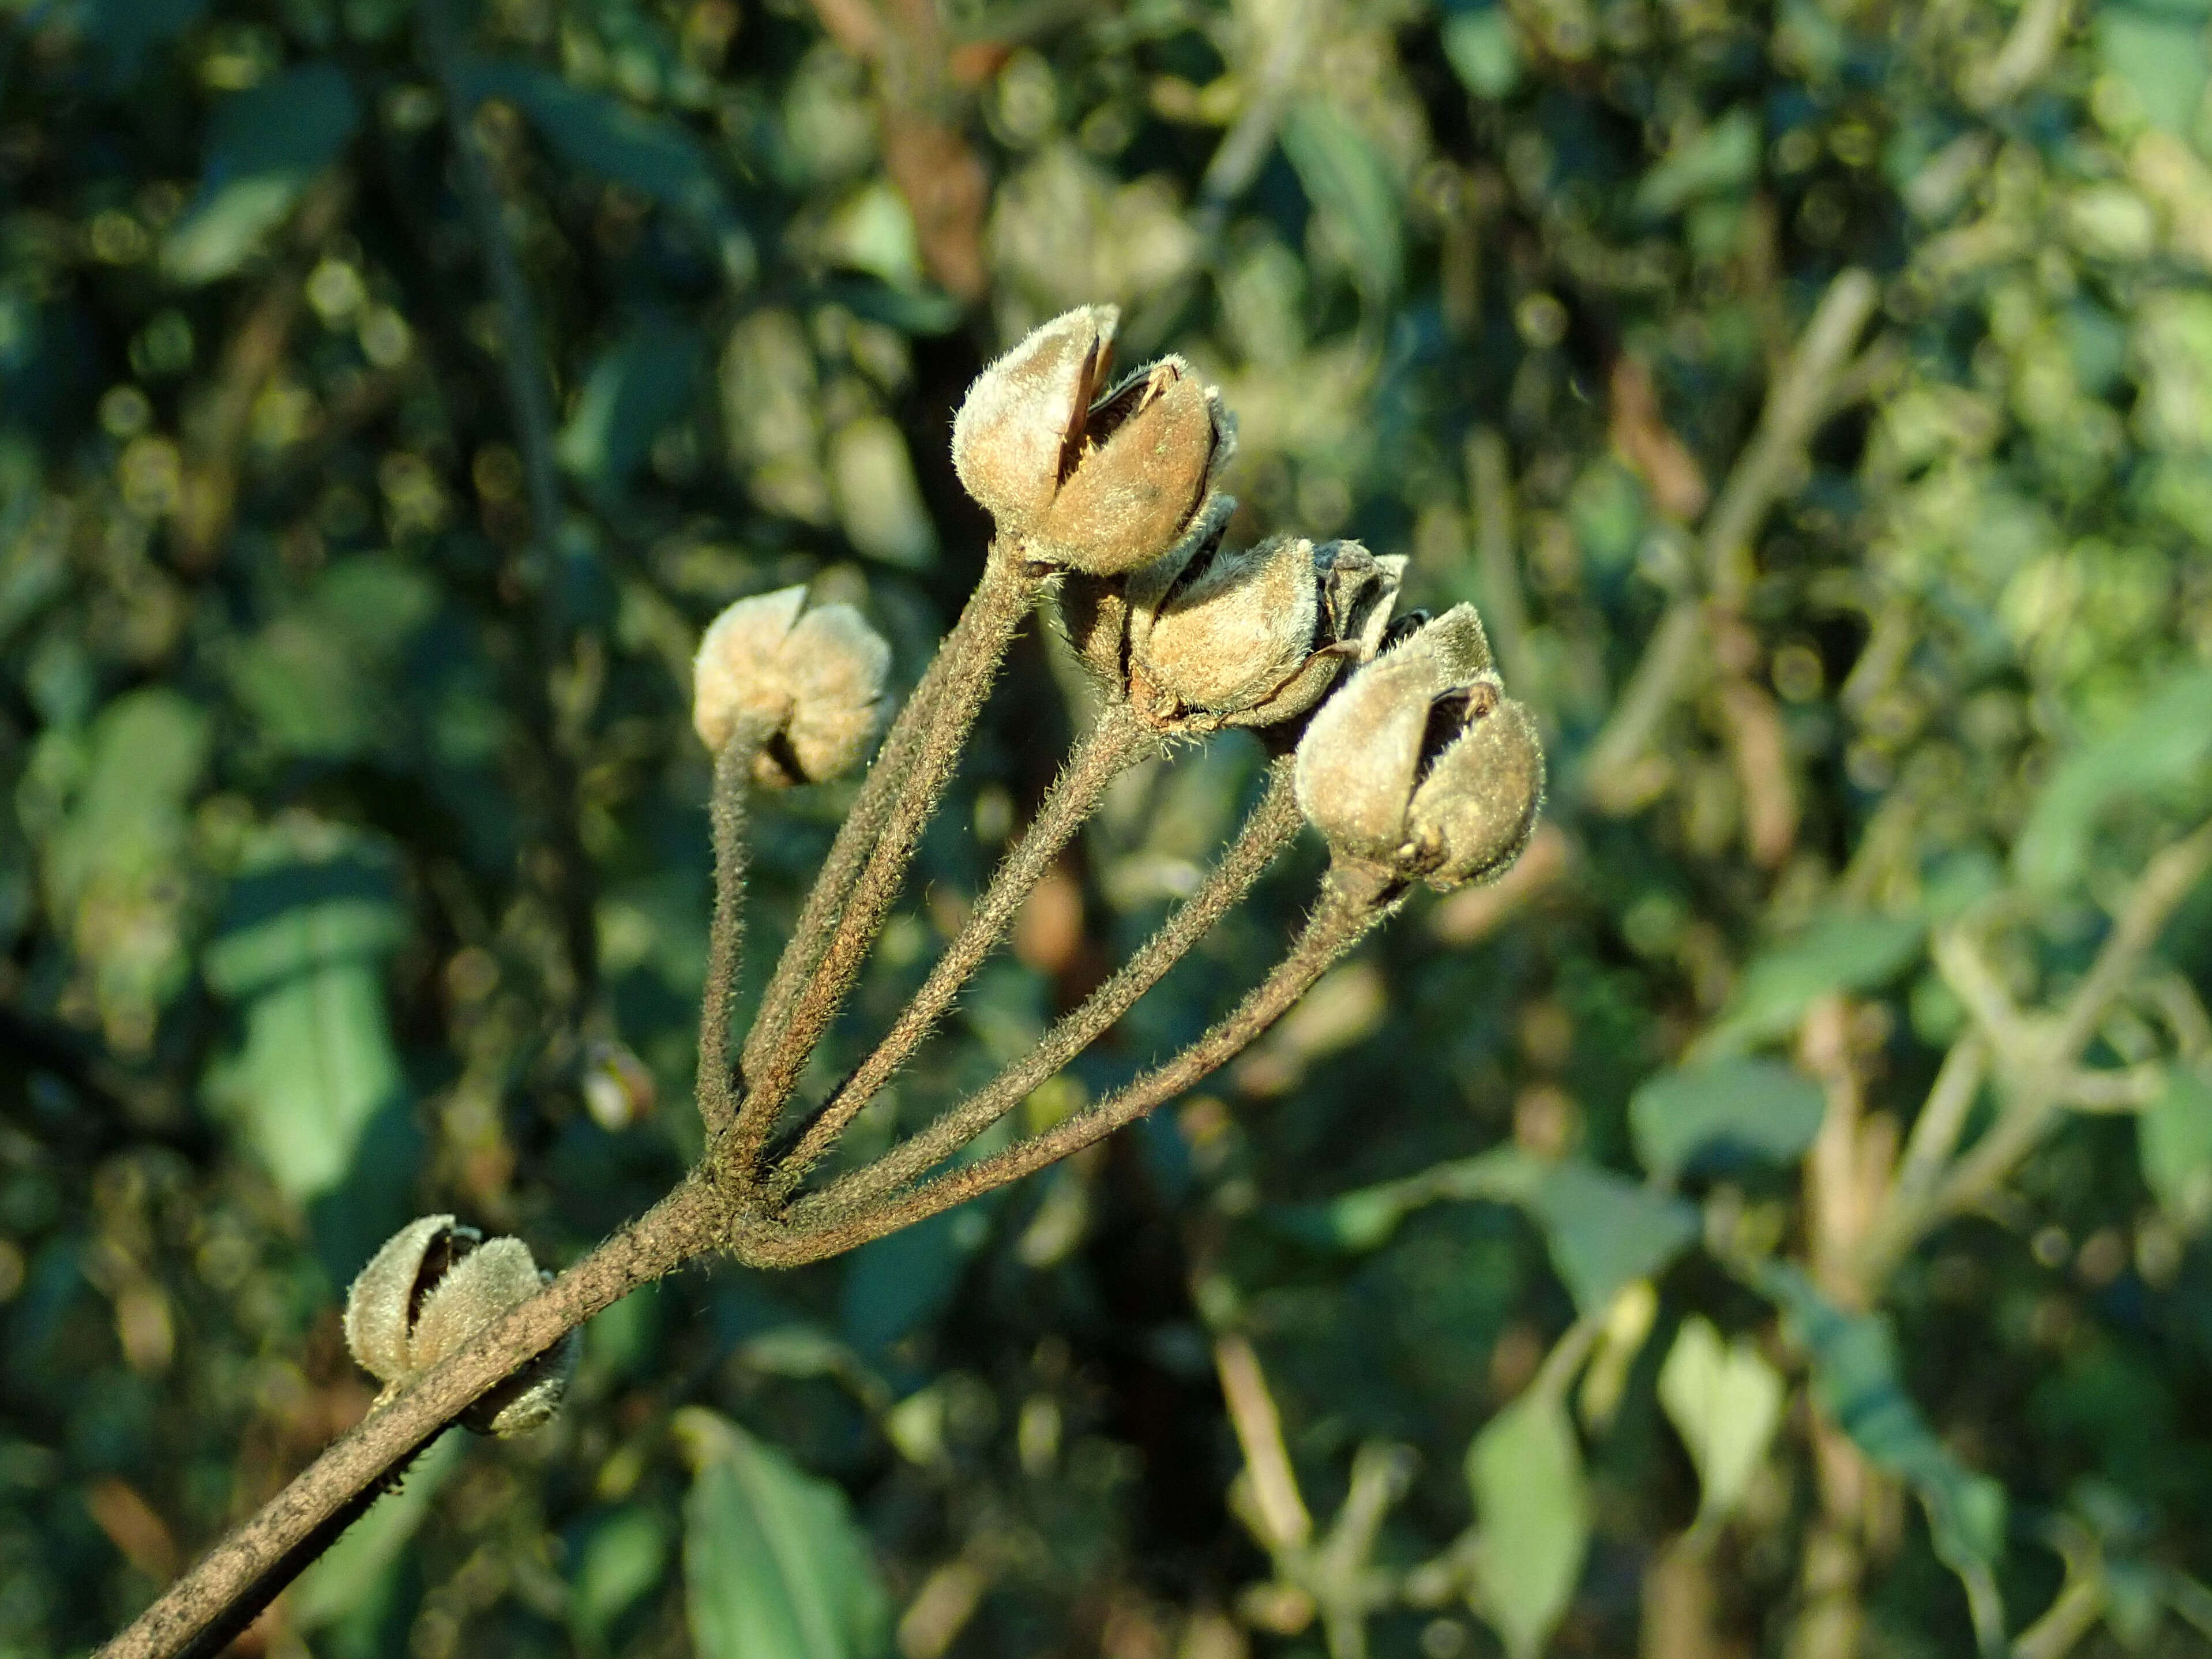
point(1269, 828)
point(926, 742)
point(1115, 742)
point(200, 1613)
point(1350, 903)
point(725, 811)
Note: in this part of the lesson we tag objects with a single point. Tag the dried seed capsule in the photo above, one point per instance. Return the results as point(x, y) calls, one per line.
point(1148, 452)
point(1360, 757)
point(837, 665)
point(1231, 630)
point(1216, 637)
point(387, 1295)
point(1420, 765)
point(1018, 427)
point(498, 1275)
point(1478, 805)
point(432, 1286)
point(817, 678)
point(1094, 484)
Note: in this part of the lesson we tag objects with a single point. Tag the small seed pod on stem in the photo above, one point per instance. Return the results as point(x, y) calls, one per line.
point(817, 678)
point(1220, 638)
point(432, 1285)
point(1083, 482)
point(1419, 766)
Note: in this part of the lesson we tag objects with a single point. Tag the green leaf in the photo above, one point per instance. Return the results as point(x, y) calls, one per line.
point(1484, 49)
point(302, 950)
point(122, 32)
point(1364, 1219)
point(1724, 1109)
point(265, 145)
point(2157, 53)
point(1725, 1402)
point(903, 1280)
point(620, 1560)
point(1856, 1379)
point(1719, 162)
point(1532, 1514)
point(1604, 1229)
point(2173, 1137)
point(147, 751)
point(356, 1575)
point(1601, 1230)
point(603, 135)
point(636, 387)
point(318, 681)
point(775, 1567)
point(1344, 178)
point(2164, 746)
point(1842, 951)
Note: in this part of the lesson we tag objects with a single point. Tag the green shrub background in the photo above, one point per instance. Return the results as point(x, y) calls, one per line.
point(350, 869)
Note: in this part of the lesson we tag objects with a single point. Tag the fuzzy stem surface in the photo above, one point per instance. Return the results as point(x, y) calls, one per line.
point(925, 744)
point(218, 1598)
point(1270, 827)
point(1115, 742)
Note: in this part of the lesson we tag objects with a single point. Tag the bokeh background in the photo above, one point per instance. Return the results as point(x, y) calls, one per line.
point(1816, 396)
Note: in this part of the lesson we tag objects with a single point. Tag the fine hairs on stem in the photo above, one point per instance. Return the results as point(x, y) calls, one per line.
point(1394, 739)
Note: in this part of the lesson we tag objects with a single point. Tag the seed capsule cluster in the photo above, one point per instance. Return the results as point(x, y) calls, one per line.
point(432, 1285)
point(1421, 765)
point(1411, 760)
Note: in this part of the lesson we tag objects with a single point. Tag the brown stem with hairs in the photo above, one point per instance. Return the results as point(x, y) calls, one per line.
point(1117, 742)
point(1269, 829)
point(218, 1598)
point(1352, 900)
point(922, 750)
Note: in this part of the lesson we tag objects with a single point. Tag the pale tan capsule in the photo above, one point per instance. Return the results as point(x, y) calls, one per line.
point(837, 667)
point(529, 1398)
point(497, 1276)
point(1015, 434)
point(1360, 757)
point(386, 1295)
point(432, 1286)
point(737, 670)
point(1147, 455)
point(817, 679)
point(1233, 633)
point(1478, 806)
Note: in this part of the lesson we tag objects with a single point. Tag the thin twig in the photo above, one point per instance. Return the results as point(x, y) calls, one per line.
point(1269, 828)
point(855, 840)
point(1116, 742)
point(2036, 1073)
point(1275, 1497)
point(725, 933)
point(1490, 488)
point(1942, 1117)
point(1350, 903)
point(199, 1613)
point(775, 1054)
point(1797, 402)
point(527, 381)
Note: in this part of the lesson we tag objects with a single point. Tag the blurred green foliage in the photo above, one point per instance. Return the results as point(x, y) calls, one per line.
point(1526, 1291)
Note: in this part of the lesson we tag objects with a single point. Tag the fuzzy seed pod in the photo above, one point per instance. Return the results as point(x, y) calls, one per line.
point(817, 678)
point(1101, 484)
point(1478, 805)
point(432, 1286)
point(1149, 451)
point(1420, 764)
point(1022, 420)
point(386, 1296)
point(1223, 638)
